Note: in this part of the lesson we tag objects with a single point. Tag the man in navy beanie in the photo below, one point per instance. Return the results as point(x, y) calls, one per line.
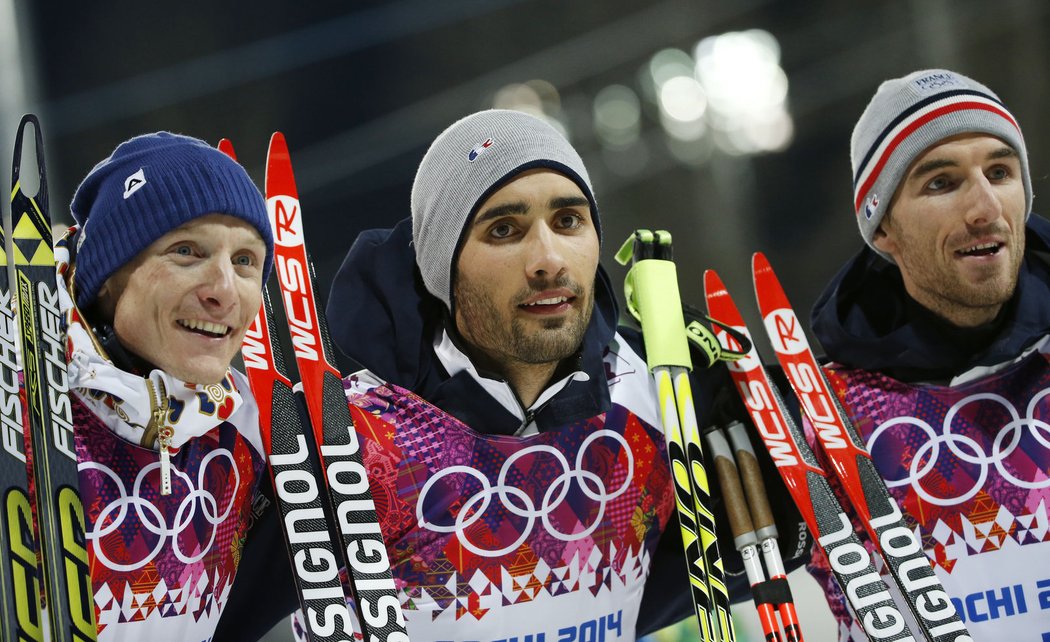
point(939, 337)
point(164, 270)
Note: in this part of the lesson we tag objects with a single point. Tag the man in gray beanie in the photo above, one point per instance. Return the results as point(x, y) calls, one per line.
point(937, 333)
point(501, 387)
point(510, 428)
point(163, 275)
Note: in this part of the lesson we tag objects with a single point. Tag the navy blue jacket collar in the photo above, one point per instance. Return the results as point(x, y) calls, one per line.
point(865, 319)
point(381, 316)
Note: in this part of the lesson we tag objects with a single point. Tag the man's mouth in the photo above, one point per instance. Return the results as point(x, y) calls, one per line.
point(550, 302)
point(556, 300)
point(205, 328)
point(980, 249)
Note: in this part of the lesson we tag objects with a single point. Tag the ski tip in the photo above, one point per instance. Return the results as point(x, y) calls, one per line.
point(36, 189)
point(279, 177)
point(720, 305)
point(761, 270)
point(27, 119)
point(226, 147)
point(712, 284)
point(759, 263)
point(277, 142)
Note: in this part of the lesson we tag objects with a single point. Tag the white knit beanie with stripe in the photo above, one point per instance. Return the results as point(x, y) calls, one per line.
point(909, 115)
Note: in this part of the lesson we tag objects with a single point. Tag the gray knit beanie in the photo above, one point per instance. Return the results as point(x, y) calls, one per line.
point(469, 161)
point(909, 115)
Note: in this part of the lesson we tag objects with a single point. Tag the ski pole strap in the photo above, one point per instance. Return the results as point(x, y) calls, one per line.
point(651, 291)
point(700, 334)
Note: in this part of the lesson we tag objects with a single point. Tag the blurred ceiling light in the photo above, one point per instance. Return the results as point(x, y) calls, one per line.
point(617, 116)
point(683, 99)
point(746, 91)
point(682, 107)
point(668, 64)
point(550, 99)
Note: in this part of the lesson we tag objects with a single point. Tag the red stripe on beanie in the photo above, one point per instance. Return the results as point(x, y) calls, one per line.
point(899, 138)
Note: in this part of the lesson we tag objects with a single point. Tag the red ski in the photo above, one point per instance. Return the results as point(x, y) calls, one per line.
point(905, 559)
point(314, 558)
point(348, 490)
point(868, 595)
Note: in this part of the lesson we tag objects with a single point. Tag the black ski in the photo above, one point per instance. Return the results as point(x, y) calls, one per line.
point(19, 573)
point(59, 510)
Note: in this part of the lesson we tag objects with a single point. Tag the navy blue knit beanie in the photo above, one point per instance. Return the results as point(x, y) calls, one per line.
point(148, 186)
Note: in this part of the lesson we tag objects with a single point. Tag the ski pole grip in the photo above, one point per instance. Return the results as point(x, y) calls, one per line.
point(651, 290)
point(751, 475)
point(736, 505)
point(660, 306)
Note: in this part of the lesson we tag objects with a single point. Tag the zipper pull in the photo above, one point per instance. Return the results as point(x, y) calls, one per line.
point(166, 433)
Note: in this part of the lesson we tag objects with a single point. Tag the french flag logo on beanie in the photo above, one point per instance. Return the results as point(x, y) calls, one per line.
point(479, 150)
point(872, 208)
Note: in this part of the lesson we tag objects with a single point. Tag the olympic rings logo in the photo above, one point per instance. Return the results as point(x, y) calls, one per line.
point(150, 517)
point(518, 502)
point(1006, 441)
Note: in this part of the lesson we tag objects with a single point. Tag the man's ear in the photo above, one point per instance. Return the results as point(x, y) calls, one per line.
point(105, 305)
point(883, 240)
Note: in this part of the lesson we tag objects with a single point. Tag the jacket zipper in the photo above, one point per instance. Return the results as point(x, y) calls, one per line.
point(159, 430)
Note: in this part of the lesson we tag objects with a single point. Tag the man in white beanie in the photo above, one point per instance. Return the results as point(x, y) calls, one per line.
point(510, 428)
point(937, 333)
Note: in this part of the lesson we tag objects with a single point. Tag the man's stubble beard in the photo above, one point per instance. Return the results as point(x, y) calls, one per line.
point(945, 289)
point(484, 327)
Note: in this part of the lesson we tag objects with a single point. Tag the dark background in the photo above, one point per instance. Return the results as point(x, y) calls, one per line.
point(360, 88)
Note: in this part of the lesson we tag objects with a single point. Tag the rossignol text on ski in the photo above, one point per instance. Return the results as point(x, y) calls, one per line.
point(299, 495)
point(905, 558)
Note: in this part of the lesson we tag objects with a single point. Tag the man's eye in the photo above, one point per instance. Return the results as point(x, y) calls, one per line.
point(937, 184)
point(570, 221)
point(998, 173)
point(244, 259)
point(183, 250)
point(501, 231)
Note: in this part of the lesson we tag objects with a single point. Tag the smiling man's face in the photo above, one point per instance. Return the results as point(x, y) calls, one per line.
point(184, 303)
point(524, 281)
point(956, 228)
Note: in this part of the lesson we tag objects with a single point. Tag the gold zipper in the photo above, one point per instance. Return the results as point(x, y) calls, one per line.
point(158, 430)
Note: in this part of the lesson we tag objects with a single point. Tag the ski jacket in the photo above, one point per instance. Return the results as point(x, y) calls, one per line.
point(956, 422)
point(587, 555)
point(161, 566)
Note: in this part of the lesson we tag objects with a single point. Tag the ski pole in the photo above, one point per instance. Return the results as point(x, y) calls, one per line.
point(743, 530)
point(651, 288)
point(765, 527)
